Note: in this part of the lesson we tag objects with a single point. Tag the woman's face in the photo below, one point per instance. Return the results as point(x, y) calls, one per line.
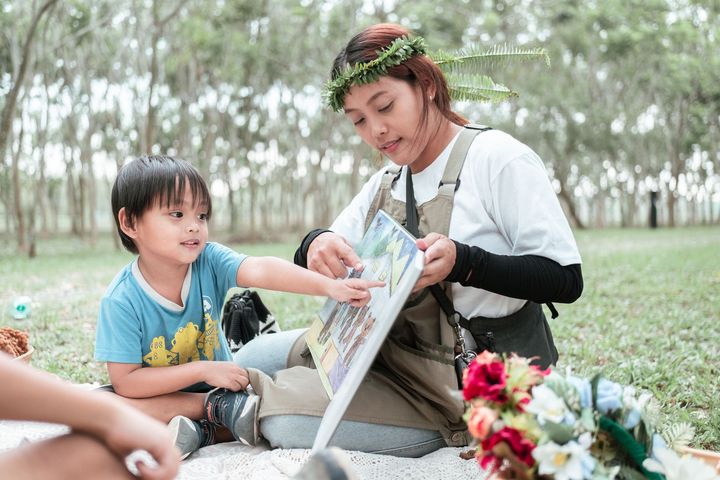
point(387, 116)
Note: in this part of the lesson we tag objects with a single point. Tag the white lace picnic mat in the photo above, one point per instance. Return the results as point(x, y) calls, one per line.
point(229, 461)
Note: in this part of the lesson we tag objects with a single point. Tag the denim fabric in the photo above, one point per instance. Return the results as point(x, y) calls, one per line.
point(269, 353)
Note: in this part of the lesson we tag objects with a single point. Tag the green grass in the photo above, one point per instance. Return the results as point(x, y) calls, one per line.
point(649, 314)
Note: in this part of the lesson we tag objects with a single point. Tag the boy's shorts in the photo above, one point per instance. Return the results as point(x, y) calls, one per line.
point(196, 388)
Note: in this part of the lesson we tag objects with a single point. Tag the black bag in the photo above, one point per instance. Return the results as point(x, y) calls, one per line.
point(245, 317)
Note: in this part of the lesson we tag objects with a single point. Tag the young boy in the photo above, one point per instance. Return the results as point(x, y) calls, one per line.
point(162, 310)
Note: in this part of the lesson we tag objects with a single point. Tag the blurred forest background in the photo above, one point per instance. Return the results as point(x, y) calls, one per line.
point(629, 106)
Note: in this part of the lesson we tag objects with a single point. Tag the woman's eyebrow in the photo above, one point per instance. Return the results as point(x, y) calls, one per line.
point(370, 100)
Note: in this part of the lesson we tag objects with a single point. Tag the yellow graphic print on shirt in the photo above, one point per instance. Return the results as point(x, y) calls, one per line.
point(185, 343)
point(159, 356)
point(209, 339)
point(186, 346)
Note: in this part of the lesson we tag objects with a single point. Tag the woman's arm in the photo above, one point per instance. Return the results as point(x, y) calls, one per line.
point(37, 396)
point(529, 277)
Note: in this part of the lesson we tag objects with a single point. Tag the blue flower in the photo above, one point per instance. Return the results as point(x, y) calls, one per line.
point(657, 444)
point(632, 419)
point(609, 396)
point(582, 385)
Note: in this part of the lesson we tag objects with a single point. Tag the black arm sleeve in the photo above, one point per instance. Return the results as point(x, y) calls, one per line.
point(528, 277)
point(301, 253)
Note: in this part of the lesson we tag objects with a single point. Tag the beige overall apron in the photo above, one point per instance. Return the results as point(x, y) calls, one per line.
point(410, 383)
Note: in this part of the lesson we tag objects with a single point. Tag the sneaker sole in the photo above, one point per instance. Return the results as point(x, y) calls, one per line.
point(183, 431)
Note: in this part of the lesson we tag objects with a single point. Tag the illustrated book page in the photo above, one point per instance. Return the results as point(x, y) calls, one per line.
point(344, 340)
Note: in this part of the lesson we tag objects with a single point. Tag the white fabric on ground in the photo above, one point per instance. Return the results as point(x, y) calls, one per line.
point(233, 460)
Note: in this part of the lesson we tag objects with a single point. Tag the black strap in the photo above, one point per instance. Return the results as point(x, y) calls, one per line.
point(412, 225)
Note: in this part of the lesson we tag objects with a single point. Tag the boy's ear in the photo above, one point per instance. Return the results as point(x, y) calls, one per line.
point(126, 224)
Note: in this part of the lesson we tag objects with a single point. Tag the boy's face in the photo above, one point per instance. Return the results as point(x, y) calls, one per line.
point(174, 235)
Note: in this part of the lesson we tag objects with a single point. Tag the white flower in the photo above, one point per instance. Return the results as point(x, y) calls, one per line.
point(631, 406)
point(571, 461)
point(547, 405)
point(674, 467)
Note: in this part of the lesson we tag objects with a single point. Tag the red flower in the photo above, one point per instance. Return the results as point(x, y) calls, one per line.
point(485, 378)
point(520, 446)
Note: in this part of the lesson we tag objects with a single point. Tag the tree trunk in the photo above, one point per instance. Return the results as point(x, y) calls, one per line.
point(569, 202)
point(71, 193)
point(253, 196)
point(8, 111)
point(158, 26)
point(17, 192)
point(88, 182)
point(675, 137)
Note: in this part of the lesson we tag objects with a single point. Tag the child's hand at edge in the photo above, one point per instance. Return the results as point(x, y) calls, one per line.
point(226, 375)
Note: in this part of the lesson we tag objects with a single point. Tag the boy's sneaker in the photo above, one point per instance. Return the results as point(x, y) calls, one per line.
point(236, 411)
point(190, 435)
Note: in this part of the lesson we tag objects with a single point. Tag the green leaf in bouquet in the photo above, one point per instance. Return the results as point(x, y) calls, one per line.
point(635, 452)
point(628, 473)
point(649, 411)
point(587, 419)
point(559, 433)
point(678, 435)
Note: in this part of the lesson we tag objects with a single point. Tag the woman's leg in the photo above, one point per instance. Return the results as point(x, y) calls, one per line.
point(268, 353)
point(298, 431)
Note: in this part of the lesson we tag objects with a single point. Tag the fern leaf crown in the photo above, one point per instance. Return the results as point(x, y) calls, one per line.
point(463, 70)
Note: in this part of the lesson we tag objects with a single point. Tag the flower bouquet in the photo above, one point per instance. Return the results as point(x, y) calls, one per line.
point(530, 423)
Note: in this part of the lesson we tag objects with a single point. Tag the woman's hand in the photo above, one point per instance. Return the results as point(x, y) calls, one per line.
point(226, 375)
point(439, 259)
point(355, 291)
point(330, 255)
point(126, 430)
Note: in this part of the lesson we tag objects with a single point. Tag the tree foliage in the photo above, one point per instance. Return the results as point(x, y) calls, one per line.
point(629, 103)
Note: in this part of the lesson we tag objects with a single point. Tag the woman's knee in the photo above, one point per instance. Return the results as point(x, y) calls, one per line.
point(268, 353)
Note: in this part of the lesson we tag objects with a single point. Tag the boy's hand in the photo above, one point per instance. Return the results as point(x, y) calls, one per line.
point(353, 290)
point(226, 375)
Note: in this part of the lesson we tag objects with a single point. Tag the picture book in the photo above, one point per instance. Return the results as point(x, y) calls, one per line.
point(344, 340)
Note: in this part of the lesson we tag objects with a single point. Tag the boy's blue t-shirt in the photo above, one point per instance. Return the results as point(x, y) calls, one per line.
point(137, 325)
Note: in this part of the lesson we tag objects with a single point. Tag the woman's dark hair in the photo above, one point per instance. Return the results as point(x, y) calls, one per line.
point(154, 180)
point(419, 70)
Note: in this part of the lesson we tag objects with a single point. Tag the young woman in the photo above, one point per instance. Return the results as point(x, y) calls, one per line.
point(496, 243)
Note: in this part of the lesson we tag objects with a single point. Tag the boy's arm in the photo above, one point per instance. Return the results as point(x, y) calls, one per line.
point(132, 381)
point(276, 274)
point(37, 396)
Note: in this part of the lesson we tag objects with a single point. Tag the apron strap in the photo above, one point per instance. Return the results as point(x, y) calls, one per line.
point(388, 179)
point(451, 176)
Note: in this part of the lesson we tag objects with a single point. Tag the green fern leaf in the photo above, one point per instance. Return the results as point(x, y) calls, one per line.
point(474, 60)
point(477, 88)
point(678, 435)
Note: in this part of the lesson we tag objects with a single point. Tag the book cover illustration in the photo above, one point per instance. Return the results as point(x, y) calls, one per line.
point(344, 340)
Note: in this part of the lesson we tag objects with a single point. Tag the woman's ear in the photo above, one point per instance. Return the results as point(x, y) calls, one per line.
point(126, 224)
point(430, 90)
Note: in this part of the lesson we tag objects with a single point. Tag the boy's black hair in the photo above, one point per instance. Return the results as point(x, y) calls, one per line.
point(152, 180)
